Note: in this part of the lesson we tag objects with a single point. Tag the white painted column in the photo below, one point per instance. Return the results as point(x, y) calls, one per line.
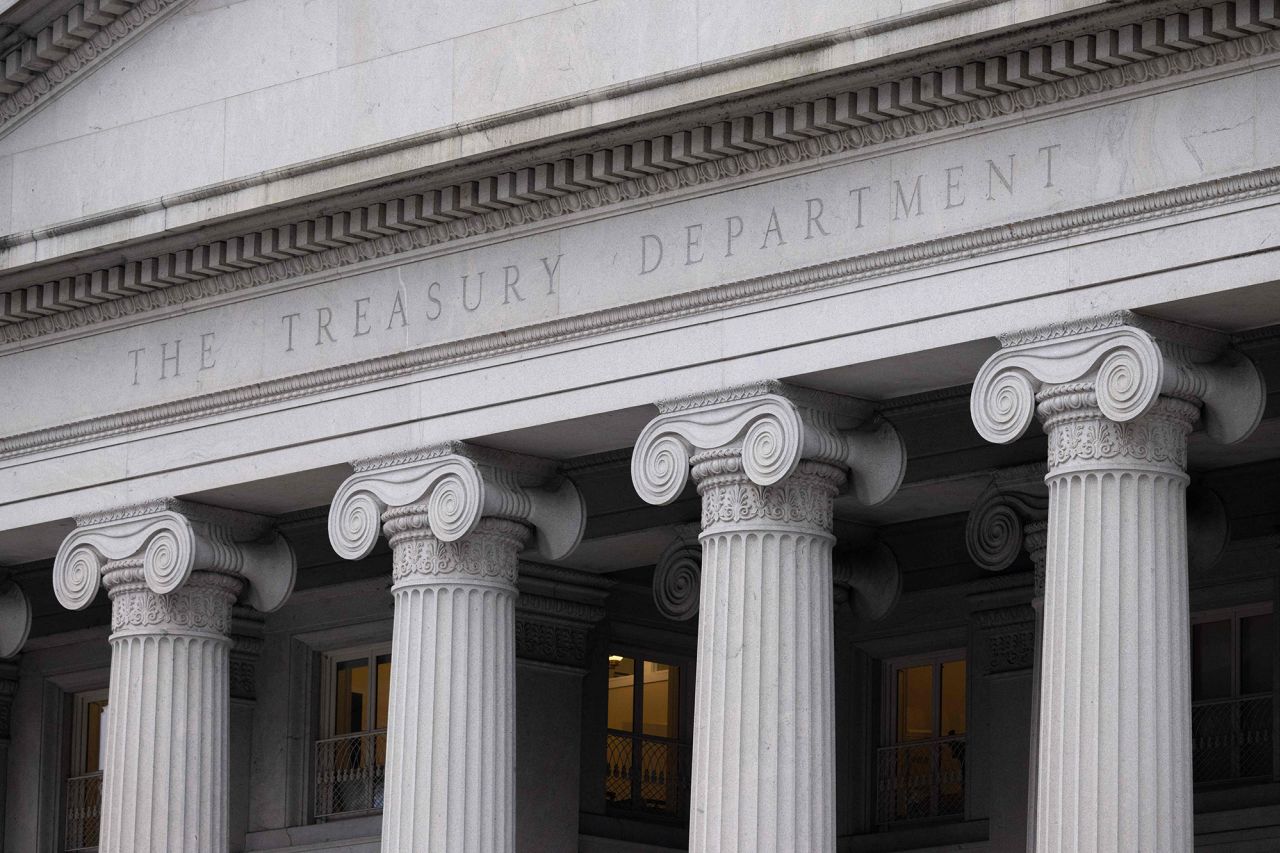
point(450, 780)
point(456, 517)
point(172, 571)
point(769, 461)
point(1118, 397)
point(165, 773)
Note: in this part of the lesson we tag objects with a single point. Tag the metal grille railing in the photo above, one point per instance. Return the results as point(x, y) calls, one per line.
point(658, 782)
point(84, 812)
point(1232, 739)
point(350, 773)
point(921, 780)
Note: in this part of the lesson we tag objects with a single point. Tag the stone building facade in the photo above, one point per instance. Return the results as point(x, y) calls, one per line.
point(633, 426)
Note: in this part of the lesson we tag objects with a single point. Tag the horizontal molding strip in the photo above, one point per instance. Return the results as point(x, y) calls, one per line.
point(867, 117)
point(900, 259)
point(72, 43)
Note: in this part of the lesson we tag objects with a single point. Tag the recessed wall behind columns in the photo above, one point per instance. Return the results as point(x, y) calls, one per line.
point(260, 85)
point(548, 761)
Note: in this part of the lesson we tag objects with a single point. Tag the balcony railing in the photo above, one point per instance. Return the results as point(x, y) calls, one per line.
point(1232, 739)
point(84, 812)
point(920, 780)
point(657, 783)
point(350, 774)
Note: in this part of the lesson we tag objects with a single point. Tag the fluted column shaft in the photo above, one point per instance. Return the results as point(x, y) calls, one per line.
point(165, 779)
point(1115, 731)
point(764, 714)
point(451, 725)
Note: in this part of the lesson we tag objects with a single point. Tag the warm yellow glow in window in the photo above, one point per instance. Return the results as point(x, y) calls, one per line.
point(621, 693)
point(915, 703)
point(93, 735)
point(352, 700)
point(661, 687)
point(952, 714)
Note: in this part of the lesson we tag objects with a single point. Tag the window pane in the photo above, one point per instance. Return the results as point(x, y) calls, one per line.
point(661, 692)
point(621, 698)
point(384, 692)
point(93, 736)
point(915, 703)
point(1211, 660)
point(351, 700)
point(952, 713)
point(1255, 654)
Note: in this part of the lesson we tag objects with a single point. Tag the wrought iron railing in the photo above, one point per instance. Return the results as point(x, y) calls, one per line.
point(1232, 739)
point(658, 782)
point(920, 780)
point(84, 812)
point(350, 774)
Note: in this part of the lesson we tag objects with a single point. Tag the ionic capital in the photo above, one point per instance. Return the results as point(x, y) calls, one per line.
point(677, 576)
point(172, 539)
point(15, 617)
point(774, 427)
point(457, 485)
point(1124, 364)
point(1000, 522)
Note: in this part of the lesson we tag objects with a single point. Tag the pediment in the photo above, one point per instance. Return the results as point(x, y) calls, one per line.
point(54, 45)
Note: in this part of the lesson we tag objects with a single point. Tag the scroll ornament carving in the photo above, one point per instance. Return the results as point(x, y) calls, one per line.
point(677, 580)
point(766, 429)
point(1121, 366)
point(452, 491)
point(996, 530)
point(171, 540)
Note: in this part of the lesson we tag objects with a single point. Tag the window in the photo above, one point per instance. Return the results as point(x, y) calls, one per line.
point(1232, 716)
point(646, 755)
point(84, 777)
point(920, 768)
point(351, 754)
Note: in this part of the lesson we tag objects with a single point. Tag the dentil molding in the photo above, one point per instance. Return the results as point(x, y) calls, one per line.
point(458, 485)
point(1125, 365)
point(67, 48)
point(869, 116)
point(768, 428)
point(171, 539)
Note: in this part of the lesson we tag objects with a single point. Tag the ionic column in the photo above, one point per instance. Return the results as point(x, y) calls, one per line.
point(1118, 396)
point(1008, 518)
point(768, 460)
point(172, 571)
point(456, 517)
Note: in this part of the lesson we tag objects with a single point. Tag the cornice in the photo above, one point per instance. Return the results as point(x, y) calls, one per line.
point(871, 116)
point(69, 47)
point(900, 259)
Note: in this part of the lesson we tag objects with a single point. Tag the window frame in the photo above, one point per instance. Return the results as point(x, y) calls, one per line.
point(329, 683)
point(79, 710)
point(1234, 615)
point(684, 722)
point(889, 697)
